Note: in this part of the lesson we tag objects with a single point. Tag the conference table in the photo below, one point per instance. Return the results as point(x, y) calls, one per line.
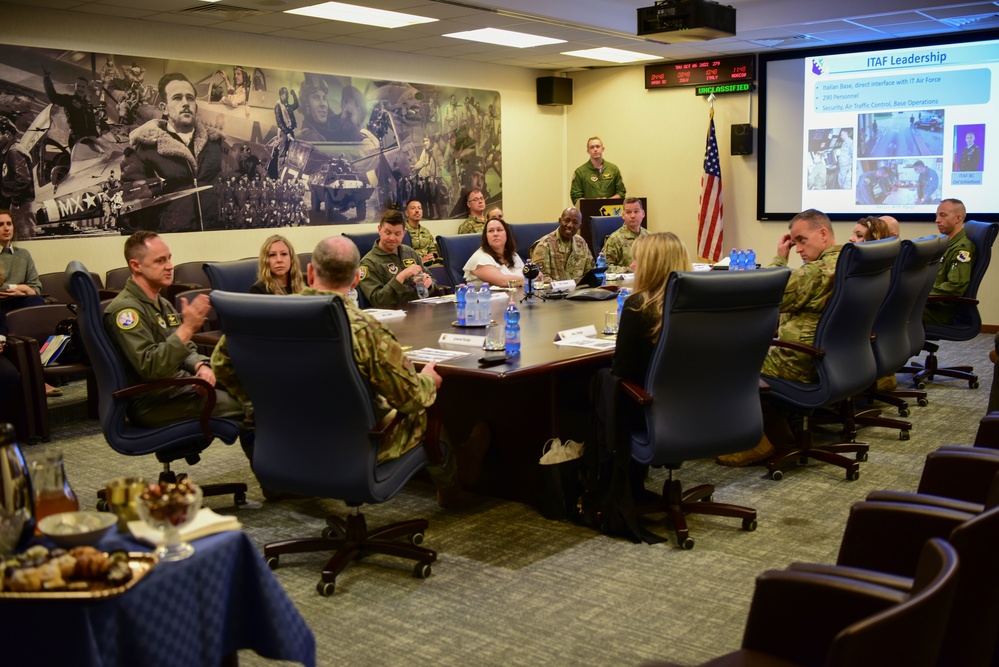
point(541, 393)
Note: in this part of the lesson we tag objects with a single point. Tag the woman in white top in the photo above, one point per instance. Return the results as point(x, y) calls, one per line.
point(496, 261)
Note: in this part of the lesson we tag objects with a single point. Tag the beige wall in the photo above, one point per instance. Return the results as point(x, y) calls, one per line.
point(533, 163)
point(657, 139)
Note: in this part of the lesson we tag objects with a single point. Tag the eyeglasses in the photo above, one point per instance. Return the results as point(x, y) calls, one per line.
point(477, 199)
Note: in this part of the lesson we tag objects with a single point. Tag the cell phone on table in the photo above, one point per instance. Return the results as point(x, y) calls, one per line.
point(488, 360)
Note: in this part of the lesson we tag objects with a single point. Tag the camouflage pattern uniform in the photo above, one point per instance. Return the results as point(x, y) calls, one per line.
point(472, 225)
point(560, 260)
point(805, 297)
point(395, 383)
point(424, 243)
point(592, 183)
point(617, 248)
point(144, 332)
point(378, 271)
point(953, 278)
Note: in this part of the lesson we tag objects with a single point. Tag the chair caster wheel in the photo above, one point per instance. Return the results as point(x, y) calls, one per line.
point(903, 435)
point(920, 385)
point(749, 525)
point(325, 588)
point(687, 544)
point(102, 506)
point(239, 498)
point(327, 533)
point(852, 475)
point(421, 570)
point(272, 562)
point(922, 402)
point(777, 475)
point(903, 412)
point(416, 539)
point(861, 457)
point(973, 384)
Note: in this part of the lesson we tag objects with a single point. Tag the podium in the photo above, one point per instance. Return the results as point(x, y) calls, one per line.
point(600, 207)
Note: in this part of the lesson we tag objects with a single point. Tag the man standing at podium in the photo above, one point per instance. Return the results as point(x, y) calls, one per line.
point(596, 178)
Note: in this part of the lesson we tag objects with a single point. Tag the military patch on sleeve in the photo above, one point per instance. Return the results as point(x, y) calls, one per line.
point(363, 272)
point(408, 261)
point(392, 268)
point(127, 319)
point(173, 319)
point(964, 256)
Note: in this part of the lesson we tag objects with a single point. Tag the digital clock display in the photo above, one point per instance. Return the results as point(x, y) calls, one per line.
point(709, 71)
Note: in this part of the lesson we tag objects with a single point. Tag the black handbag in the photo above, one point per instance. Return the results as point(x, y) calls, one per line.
point(562, 479)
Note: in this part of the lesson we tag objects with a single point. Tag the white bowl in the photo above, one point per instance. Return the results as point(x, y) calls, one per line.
point(75, 529)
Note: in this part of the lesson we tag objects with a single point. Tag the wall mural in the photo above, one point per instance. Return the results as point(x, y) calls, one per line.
point(87, 146)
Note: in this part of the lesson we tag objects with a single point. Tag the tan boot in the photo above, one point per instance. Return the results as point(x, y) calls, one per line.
point(757, 454)
point(887, 384)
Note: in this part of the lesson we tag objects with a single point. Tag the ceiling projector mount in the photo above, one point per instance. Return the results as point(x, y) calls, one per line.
point(686, 20)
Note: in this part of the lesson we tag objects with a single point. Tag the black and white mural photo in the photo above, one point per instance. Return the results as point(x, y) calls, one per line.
point(106, 144)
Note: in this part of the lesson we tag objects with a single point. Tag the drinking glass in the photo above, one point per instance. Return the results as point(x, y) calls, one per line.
point(610, 322)
point(168, 512)
point(495, 338)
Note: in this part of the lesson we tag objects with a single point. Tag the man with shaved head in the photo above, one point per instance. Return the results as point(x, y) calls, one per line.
point(892, 225)
point(955, 267)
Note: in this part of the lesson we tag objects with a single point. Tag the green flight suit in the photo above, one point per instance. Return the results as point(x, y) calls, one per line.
point(144, 332)
point(805, 298)
point(591, 183)
point(378, 272)
point(953, 278)
point(560, 260)
point(617, 248)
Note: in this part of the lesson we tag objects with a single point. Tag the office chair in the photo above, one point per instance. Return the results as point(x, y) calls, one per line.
point(842, 353)
point(115, 279)
point(800, 618)
point(968, 321)
point(321, 439)
point(526, 234)
point(907, 293)
point(365, 241)
point(455, 251)
point(29, 411)
point(191, 273)
point(881, 545)
point(965, 479)
point(183, 440)
point(235, 276)
point(602, 226)
point(54, 287)
point(702, 390)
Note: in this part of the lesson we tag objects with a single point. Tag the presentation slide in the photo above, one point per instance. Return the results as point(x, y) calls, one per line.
point(892, 130)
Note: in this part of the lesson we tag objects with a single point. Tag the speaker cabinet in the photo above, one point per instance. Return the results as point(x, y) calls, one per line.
point(554, 91)
point(742, 139)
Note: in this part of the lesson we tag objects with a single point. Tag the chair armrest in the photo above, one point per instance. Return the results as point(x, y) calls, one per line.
point(894, 582)
point(634, 392)
point(207, 390)
point(965, 473)
point(926, 499)
point(947, 298)
point(104, 294)
point(799, 347)
point(796, 615)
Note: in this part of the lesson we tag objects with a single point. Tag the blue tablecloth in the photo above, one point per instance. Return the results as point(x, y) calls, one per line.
point(190, 612)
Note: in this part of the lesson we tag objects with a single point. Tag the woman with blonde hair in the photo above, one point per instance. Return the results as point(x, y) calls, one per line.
point(657, 256)
point(278, 269)
point(870, 228)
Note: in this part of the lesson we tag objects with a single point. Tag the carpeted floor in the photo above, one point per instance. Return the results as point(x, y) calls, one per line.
point(511, 588)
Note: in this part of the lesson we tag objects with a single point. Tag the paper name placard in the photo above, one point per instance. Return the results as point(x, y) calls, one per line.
point(588, 330)
point(563, 285)
point(462, 339)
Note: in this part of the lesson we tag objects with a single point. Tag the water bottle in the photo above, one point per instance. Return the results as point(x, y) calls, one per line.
point(421, 289)
point(485, 307)
point(459, 295)
point(512, 330)
point(471, 306)
point(733, 260)
point(602, 264)
point(622, 296)
point(750, 259)
point(740, 260)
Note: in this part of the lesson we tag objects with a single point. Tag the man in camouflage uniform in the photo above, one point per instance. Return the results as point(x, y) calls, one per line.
point(476, 220)
point(155, 341)
point(396, 384)
point(617, 246)
point(805, 298)
point(955, 266)
point(563, 254)
point(422, 238)
point(390, 269)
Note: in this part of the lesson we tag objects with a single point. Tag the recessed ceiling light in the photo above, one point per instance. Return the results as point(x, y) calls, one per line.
point(338, 11)
point(611, 55)
point(499, 37)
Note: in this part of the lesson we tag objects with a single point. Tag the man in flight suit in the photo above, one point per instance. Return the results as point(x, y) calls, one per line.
point(390, 269)
point(955, 266)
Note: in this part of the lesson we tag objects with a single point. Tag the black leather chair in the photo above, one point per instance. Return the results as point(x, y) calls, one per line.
point(968, 321)
point(602, 226)
point(28, 412)
point(907, 293)
point(965, 479)
point(54, 287)
point(235, 276)
point(183, 440)
point(842, 352)
point(455, 251)
point(699, 371)
point(526, 234)
point(800, 618)
point(322, 439)
point(191, 273)
point(115, 279)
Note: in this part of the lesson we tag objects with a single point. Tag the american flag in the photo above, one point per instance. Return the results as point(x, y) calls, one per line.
point(709, 218)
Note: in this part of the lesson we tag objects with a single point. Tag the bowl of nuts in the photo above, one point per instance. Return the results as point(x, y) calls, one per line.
point(168, 506)
point(75, 529)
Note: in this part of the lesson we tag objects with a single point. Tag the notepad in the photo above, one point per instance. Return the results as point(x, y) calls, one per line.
point(52, 348)
point(205, 523)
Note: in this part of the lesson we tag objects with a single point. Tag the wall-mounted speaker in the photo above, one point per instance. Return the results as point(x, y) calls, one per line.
point(742, 139)
point(554, 90)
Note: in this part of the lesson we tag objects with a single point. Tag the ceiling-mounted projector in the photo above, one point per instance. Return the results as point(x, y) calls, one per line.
point(686, 20)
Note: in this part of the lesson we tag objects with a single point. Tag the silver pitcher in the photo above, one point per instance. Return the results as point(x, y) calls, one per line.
point(17, 512)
